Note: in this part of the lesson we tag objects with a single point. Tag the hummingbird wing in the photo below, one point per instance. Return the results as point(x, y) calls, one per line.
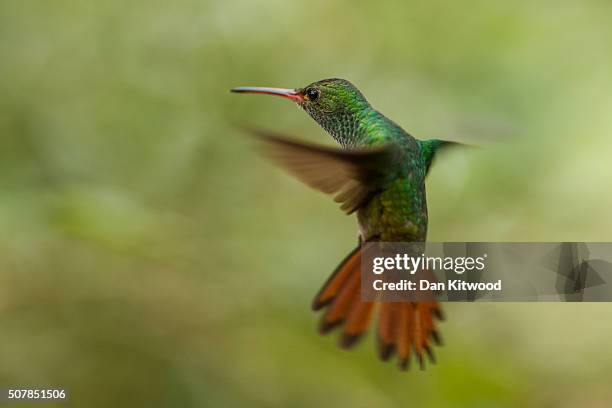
point(350, 175)
point(430, 149)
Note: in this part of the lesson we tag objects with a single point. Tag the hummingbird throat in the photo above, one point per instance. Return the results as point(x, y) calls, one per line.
point(346, 127)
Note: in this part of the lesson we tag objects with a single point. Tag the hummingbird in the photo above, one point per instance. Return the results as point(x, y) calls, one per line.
point(377, 173)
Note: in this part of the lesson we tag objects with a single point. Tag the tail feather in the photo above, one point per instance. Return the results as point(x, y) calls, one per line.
point(405, 334)
point(357, 323)
point(428, 327)
point(342, 304)
point(405, 328)
point(330, 289)
point(387, 329)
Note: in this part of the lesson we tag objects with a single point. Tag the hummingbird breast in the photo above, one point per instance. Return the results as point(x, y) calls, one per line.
point(396, 214)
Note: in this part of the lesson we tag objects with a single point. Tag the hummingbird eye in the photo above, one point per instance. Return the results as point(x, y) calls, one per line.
point(312, 94)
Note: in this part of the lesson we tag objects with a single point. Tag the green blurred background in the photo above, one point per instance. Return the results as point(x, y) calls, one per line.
point(150, 258)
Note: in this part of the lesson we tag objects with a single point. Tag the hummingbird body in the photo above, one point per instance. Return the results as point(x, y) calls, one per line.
point(379, 173)
point(398, 212)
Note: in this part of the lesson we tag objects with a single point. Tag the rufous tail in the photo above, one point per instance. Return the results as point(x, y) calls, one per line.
point(404, 328)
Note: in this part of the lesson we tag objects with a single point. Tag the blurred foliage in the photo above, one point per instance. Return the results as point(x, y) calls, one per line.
point(149, 258)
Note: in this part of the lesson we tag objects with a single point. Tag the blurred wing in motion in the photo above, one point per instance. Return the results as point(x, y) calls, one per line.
point(430, 148)
point(351, 175)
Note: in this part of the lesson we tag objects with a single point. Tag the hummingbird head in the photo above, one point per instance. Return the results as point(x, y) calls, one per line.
point(336, 105)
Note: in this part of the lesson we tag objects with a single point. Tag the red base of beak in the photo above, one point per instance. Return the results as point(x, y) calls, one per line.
point(290, 94)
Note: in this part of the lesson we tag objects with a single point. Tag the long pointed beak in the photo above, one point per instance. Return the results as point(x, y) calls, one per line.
point(291, 94)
